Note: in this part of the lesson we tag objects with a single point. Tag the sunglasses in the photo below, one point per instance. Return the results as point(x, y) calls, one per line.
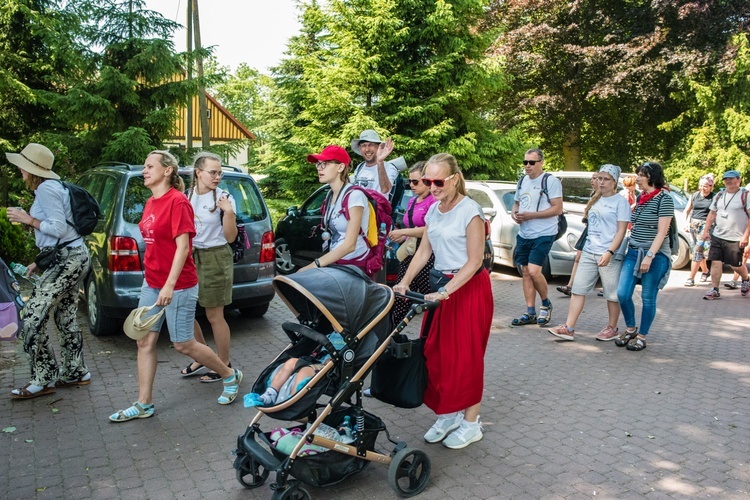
point(438, 182)
point(413, 182)
point(531, 162)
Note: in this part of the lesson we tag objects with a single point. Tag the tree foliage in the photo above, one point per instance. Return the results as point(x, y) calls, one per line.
point(411, 69)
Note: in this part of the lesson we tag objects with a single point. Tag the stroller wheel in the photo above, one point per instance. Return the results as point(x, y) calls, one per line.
point(409, 472)
point(251, 473)
point(292, 491)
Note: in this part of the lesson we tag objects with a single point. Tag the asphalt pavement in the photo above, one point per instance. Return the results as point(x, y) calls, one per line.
point(561, 419)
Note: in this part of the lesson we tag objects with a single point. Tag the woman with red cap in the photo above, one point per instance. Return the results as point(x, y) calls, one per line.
point(343, 238)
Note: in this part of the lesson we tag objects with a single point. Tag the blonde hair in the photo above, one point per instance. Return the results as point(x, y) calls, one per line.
point(33, 181)
point(198, 163)
point(448, 160)
point(168, 160)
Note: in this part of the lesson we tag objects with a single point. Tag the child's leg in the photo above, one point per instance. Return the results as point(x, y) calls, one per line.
point(281, 376)
point(304, 373)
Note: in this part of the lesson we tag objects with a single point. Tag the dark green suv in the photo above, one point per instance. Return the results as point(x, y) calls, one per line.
point(117, 248)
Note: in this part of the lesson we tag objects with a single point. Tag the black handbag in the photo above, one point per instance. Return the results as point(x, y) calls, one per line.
point(46, 258)
point(437, 280)
point(582, 239)
point(400, 375)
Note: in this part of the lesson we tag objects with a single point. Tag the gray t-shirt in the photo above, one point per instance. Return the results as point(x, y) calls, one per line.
point(528, 197)
point(731, 216)
point(603, 218)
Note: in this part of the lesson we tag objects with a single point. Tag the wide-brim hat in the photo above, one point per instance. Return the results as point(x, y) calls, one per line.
point(368, 135)
point(137, 326)
point(34, 159)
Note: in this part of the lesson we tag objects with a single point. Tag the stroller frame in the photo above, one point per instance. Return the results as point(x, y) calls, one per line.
point(408, 468)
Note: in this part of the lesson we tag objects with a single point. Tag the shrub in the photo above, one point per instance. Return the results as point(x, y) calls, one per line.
point(16, 242)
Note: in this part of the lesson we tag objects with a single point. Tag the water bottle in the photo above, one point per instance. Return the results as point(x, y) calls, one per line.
point(346, 430)
point(382, 228)
point(392, 247)
point(20, 270)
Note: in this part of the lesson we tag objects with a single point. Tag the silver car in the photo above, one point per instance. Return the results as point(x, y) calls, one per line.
point(496, 200)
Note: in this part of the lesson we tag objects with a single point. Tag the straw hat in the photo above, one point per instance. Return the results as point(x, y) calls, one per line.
point(136, 326)
point(34, 159)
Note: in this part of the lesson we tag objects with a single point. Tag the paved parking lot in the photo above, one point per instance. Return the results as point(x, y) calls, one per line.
point(561, 419)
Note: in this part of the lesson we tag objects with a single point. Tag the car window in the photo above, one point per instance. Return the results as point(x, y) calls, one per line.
point(481, 197)
point(507, 198)
point(576, 189)
point(679, 197)
point(250, 207)
point(108, 196)
point(312, 205)
point(136, 195)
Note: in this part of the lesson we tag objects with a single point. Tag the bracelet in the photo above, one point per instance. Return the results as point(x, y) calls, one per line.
point(610, 252)
point(31, 223)
point(317, 263)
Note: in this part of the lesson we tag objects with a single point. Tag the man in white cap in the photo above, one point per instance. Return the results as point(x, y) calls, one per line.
point(731, 213)
point(374, 173)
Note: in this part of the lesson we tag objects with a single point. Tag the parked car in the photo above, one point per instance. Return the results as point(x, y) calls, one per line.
point(117, 248)
point(577, 191)
point(298, 239)
point(496, 199)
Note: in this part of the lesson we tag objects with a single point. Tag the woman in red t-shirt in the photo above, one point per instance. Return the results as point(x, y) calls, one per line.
point(171, 282)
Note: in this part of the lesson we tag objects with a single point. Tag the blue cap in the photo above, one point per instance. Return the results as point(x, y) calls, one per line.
point(730, 174)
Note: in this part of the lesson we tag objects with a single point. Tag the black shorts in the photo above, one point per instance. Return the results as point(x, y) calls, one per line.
point(728, 252)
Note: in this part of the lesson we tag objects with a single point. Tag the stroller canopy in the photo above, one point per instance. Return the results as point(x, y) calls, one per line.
point(343, 294)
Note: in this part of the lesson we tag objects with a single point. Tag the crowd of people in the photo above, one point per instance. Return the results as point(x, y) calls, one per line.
point(441, 238)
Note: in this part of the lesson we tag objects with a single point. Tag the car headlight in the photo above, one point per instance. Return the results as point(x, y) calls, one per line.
point(572, 240)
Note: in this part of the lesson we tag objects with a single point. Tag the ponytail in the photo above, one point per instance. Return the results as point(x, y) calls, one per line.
point(168, 160)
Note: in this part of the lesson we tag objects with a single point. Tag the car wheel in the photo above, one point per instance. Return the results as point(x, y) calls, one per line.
point(284, 258)
point(682, 258)
point(99, 323)
point(255, 311)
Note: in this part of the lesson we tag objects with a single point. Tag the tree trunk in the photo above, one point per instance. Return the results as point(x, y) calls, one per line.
point(572, 149)
point(202, 102)
point(189, 109)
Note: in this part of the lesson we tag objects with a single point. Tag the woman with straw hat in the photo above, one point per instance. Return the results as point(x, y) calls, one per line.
point(57, 290)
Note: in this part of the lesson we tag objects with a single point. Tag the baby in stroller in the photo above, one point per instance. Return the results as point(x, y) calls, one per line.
point(284, 382)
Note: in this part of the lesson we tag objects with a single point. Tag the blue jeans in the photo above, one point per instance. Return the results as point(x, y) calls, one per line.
point(649, 289)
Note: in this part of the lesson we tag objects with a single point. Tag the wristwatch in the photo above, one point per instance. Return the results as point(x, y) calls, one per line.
point(610, 252)
point(442, 291)
point(650, 254)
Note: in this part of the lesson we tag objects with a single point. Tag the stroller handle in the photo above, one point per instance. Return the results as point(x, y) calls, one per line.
point(418, 297)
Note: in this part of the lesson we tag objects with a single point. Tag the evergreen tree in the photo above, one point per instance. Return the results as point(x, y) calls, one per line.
point(413, 70)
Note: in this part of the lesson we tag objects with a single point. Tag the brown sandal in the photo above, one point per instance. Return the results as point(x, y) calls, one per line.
point(637, 344)
point(25, 393)
point(626, 337)
point(82, 380)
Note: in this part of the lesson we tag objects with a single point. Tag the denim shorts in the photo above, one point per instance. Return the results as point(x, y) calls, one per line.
point(533, 251)
point(589, 272)
point(180, 313)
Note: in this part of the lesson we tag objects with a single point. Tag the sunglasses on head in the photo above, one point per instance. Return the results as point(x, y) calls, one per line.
point(531, 162)
point(413, 182)
point(438, 182)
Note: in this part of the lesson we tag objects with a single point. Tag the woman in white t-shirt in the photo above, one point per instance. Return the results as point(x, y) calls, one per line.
point(215, 227)
point(608, 215)
point(460, 328)
point(343, 238)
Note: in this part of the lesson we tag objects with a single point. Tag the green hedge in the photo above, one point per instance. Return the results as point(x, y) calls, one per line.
point(16, 242)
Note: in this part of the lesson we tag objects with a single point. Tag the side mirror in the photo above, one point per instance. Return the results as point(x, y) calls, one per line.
point(489, 213)
point(292, 211)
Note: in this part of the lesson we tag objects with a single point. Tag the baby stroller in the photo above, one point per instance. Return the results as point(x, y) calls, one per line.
point(343, 300)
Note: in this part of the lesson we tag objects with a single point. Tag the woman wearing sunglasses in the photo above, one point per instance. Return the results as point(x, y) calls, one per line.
point(413, 228)
point(460, 328)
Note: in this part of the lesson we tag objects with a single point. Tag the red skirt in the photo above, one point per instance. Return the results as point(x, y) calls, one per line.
point(455, 347)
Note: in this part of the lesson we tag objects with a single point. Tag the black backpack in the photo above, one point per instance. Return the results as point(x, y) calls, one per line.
point(86, 210)
point(562, 222)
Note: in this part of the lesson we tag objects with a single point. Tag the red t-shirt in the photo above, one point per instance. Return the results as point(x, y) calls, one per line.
point(164, 219)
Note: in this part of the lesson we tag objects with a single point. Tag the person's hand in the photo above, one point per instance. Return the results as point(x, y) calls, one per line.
point(31, 269)
point(225, 204)
point(18, 215)
point(746, 254)
point(604, 259)
point(165, 296)
point(394, 235)
point(384, 149)
point(401, 288)
point(522, 216)
point(743, 242)
point(646, 264)
point(434, 297)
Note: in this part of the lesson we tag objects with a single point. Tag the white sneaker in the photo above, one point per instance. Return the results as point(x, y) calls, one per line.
point(466, 434)
point(444, 424)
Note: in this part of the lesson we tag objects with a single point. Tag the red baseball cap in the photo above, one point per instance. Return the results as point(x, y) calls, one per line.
point(335, 153)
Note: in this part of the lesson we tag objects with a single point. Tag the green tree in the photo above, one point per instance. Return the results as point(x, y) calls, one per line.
point(592, 79)
point(413, 70)
point(715, 127)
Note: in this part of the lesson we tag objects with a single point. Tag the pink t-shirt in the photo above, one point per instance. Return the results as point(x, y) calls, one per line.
point(419, 211)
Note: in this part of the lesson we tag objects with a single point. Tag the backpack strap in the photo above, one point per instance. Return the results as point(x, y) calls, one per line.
point(544, 191)
point(356, 171)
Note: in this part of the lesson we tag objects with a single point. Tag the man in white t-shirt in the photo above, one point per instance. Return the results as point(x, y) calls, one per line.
point(537, 213)
point(374, 173)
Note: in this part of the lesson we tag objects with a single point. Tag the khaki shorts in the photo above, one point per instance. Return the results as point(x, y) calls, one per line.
point(215, 275)
point(589, 273)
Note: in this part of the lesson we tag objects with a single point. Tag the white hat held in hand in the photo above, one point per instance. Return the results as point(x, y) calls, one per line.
point(136, 326)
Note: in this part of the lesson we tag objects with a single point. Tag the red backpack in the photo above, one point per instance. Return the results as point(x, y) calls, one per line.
point(379, 226)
